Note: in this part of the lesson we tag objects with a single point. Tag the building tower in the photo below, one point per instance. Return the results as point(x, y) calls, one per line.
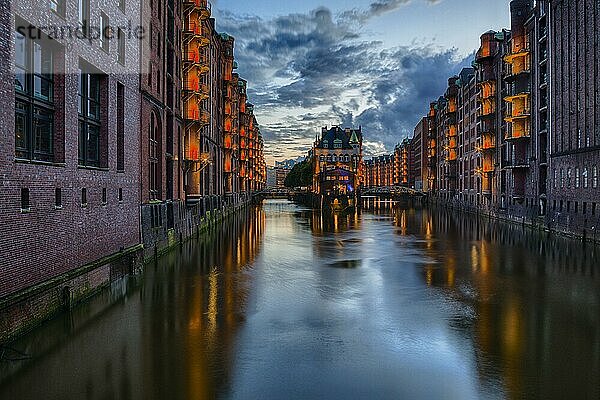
point(196, 89)
point(518, 100)
point(487, 129)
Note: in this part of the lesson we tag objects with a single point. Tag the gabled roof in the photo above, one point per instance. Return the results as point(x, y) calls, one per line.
point(347, 138)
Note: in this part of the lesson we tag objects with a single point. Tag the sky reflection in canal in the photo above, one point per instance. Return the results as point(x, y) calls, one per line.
point(287, 304)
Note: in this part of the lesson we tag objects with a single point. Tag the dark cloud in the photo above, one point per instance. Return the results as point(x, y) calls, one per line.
point(308, 70)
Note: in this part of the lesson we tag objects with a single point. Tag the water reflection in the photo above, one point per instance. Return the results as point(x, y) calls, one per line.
point(535, 300)
point(289, 303)
point(170, 335)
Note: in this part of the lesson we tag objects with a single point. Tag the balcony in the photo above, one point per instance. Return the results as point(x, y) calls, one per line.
point(521, 94)
point(451, 106)
point(488, 143)
point(484, 52)
point(203, 7)
point(194, 115)
point(516, 115)
point(488, 167)
point(518, 131)
point(488, 90)
point(517, 163)
point(515, 73)
point(517, 53)
point(452, 131)
point(193, 59)
point(193, 31)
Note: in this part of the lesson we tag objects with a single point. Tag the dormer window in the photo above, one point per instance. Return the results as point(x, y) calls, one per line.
point(325, 144)
point(337, 144)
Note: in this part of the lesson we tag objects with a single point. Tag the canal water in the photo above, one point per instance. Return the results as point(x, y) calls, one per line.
point(283, 303)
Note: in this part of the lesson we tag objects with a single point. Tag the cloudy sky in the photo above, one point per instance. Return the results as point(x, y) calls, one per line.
point(370, 63)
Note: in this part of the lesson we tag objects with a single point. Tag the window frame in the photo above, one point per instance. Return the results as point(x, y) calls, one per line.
point(83, 16)
point(35, 111)
point(104, 32)
point(153, 158)
point(120, 46)
point(58, 7)
point(87, 123)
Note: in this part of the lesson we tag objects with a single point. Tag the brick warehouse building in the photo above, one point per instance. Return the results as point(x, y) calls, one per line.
point(537, 145)
point(574, 139)
point(128, 98)
point(69, 154)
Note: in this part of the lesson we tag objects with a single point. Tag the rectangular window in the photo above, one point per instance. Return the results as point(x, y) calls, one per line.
point(577, 178)
point(584, 207)
point(593, 208)
point(562, 178)
point(121, 46)
point(58, 198)
point(122, 5)
point(154, 154)
point(104, 196)
point(25, 205)
point(84, 197)
point(58, 6)
point(120, 194)
point(120, 127)
point(84, 16)
point(34, 99)
point(595, 177)
point(89, 119)
point(104, 32)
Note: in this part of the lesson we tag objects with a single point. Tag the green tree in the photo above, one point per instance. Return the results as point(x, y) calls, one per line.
point(300, 175)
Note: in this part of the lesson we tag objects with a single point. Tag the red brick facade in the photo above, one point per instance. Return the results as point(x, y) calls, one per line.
point(45, 241)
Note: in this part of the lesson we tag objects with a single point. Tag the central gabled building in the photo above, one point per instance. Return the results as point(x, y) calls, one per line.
point(337, 161)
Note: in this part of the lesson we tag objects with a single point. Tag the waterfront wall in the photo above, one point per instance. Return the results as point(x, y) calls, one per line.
point(164, 226)
point(578, 226)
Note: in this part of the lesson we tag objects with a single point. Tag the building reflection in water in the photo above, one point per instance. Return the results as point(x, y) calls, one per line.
point(207, 280)
point(534, 299)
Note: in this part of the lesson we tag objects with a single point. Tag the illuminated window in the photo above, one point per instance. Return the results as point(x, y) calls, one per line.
point(594, 177)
